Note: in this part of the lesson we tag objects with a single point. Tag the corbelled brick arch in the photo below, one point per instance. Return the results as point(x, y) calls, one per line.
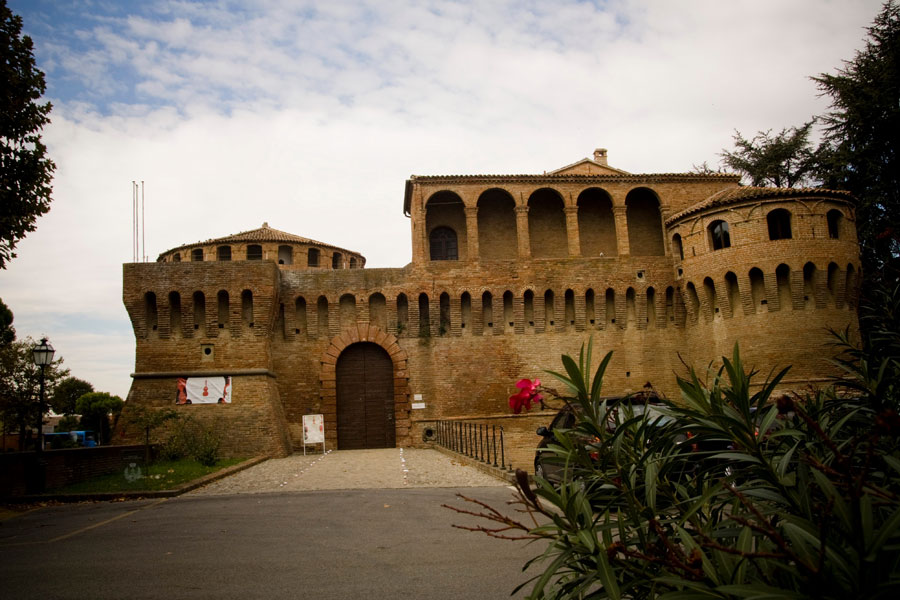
point(328, 378)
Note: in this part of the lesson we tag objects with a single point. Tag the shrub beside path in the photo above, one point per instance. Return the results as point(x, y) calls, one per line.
point(387, 468)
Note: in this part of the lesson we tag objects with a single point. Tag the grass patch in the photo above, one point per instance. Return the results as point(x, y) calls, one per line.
point(161, 475)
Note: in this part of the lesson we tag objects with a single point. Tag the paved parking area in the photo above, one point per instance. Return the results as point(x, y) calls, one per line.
point(389, 468)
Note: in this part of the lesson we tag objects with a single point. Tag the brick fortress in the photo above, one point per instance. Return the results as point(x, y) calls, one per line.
point(507, 273)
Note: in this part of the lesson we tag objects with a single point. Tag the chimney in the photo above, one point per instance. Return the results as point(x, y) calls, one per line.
point(600, 156)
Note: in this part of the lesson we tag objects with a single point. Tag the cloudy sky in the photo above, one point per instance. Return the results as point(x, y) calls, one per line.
point(311, 115)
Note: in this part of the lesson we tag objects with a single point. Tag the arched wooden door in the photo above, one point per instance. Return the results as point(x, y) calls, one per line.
point(365, 397)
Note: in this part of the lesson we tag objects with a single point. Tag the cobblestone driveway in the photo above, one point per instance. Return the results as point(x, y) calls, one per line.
point(353, 469)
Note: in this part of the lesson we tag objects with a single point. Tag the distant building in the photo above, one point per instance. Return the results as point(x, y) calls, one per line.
point(507, 273)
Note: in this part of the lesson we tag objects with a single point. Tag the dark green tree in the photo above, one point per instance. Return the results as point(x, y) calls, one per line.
point(7, 331)
point(860, 152)
point(67, 393)
point(786, 159)
point(25, 170)
point(95, 409)
point(20, 386)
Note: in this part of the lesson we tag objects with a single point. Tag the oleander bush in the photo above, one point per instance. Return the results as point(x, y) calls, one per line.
point(736, 491)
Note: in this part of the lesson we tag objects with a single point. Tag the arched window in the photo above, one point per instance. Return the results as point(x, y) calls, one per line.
point(719, 236)
point(222, 313)
point(200, 312)
point(247, 308)
point(300, 316)
point(175, 313)
point(223, 253)
point(497, 234)
point(424, 316)
point(651, 307)
point(150, 311)
point(642, 214)
point(336, 260)
point(352, 262)
point(445, 219)
point(254, 252)
point(402, 313)
point(758, 289)
point(487, 309)
point(347, 310)
point(444, 308)
point(596, 223)
point(378, 310)
point(834, 217)
point(285, 255)
point(313, 257)
point(321, 315)
point(197, 255)
point(177, 257)
point(677, 246)
point(442, 242)
point(779, 221)
point(547, 224)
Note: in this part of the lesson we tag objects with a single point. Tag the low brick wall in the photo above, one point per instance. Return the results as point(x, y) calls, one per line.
point(19, 470)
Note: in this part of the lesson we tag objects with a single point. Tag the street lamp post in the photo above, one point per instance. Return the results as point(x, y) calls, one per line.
point(43, 356)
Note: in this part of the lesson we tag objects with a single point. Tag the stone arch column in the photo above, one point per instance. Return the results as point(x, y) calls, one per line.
point(472, 232)
point(621, 222)
point(328, 379)
point(572, 233)
point(522, 232)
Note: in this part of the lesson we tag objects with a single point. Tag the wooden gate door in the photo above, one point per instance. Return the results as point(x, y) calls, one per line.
point(365, 397)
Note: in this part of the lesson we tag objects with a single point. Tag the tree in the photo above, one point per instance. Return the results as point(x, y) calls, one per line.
point(25, 170)
point(786, 159)
point(860, 152)
point(95, 409)
point(67, 393)
point(148, 419)
point(7, 331)
point(20, 386)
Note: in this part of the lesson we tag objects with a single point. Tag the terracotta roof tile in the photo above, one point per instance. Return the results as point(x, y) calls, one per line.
point(740, 194)
point(261, 234)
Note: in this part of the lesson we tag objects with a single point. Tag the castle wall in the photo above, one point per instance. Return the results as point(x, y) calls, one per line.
point(530, 284)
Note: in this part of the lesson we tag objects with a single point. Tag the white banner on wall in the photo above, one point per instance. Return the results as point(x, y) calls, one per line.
point(203, 390)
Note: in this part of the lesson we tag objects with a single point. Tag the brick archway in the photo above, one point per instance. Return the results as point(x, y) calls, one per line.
point(328, 378)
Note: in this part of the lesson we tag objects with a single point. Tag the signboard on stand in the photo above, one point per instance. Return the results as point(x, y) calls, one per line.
point(313, 431)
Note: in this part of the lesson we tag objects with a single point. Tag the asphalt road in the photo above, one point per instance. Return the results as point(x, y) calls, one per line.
point(372, 544)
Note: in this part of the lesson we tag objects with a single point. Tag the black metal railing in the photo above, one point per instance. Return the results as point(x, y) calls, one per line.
point(475, 440)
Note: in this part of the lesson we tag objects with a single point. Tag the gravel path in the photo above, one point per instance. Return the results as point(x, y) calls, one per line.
point(353, 469)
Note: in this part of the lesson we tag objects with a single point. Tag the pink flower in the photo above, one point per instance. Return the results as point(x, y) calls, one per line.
point(527, 395)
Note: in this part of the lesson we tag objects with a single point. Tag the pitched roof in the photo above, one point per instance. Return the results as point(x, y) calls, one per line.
point(740, 194)
point(261, 234)
point(593, 166)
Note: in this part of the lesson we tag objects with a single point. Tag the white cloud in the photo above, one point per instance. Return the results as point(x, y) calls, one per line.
point(310, 116)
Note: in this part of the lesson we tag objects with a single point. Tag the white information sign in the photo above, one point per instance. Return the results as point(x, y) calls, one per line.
point(418, 405)
point(313, 431)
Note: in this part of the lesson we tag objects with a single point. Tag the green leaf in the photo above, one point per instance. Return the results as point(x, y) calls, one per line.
point(758, 592)
point(890, 529)
point(607, 576)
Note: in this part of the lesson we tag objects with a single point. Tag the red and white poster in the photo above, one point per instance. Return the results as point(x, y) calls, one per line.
point(313, 431)
point(203, 390)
